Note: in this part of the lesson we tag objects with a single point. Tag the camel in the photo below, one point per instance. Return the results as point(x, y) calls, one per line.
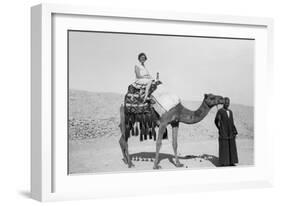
point(177, 114)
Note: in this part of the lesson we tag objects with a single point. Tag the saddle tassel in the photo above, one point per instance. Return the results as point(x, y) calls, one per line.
point(154, 134)
point(165, 135)
point(141, 132)
point(137, 129)
point(150, 133)
point(143, 128)
point(133, 130)
point(145, 131)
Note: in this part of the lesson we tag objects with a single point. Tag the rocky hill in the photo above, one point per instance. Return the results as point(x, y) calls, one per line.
point(96, 115)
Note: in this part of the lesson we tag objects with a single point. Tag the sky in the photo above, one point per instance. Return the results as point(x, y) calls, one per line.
point(188, 66)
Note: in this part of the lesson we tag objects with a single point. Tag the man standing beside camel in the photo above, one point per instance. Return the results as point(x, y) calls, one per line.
point(227, 135)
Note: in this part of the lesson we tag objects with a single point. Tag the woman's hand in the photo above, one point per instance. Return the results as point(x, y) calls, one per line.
point(147, 76)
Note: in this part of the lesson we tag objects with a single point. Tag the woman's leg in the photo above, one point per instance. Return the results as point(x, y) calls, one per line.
point(147, 90)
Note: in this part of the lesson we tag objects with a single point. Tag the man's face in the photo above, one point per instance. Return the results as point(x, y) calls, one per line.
point(226, 103)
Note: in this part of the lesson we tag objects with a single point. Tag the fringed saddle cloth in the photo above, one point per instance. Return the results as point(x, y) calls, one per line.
point(140, 117)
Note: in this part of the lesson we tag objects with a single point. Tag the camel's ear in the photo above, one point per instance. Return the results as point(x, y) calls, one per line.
point(205, 96)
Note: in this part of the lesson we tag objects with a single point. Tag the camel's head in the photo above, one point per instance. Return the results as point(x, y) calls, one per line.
point(213, 100)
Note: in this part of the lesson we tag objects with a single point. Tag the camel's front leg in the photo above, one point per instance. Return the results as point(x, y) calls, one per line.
point(161, 131)
point(175, 145)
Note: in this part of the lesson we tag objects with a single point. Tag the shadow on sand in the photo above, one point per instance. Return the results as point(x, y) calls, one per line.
point(150, 156)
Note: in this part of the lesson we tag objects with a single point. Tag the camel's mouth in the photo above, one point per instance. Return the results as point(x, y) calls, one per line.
point(213, 100)
point(221, 100)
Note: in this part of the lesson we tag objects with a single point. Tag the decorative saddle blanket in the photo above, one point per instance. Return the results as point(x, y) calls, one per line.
point(134, 99)
point(140, 117)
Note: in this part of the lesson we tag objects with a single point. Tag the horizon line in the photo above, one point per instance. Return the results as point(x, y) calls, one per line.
point(124, 94)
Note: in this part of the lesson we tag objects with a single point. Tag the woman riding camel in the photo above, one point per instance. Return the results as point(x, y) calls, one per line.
point(142, 75)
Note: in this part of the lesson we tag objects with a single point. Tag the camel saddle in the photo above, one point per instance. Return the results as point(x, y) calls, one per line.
point(140, 117)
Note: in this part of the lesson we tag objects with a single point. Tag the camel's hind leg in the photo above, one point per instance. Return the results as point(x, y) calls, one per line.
point(123, 146)
point(175, 128)
point(161, 131)
point(123, 141)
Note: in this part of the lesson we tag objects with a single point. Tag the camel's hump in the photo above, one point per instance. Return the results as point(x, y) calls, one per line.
point(165, 101)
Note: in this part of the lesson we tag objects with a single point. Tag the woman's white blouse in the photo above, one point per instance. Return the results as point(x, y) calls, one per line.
point(142, 70)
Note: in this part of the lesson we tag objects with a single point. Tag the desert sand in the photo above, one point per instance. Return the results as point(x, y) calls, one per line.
point(94, 136)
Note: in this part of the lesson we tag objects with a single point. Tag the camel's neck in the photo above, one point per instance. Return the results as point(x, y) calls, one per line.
point(191, 117)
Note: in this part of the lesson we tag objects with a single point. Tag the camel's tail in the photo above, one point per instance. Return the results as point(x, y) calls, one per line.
point(122, 119)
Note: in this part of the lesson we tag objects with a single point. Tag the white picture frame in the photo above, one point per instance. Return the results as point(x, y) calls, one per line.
point(49, 179)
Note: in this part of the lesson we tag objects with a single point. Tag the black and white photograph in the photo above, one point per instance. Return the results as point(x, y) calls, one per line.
point(143, 102)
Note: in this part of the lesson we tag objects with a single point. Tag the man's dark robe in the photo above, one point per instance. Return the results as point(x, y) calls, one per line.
point(227, 134)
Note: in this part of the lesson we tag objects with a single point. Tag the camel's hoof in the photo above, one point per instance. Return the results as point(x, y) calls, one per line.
point(125, 161)
point(131, 165)
point(179, 164)
point(156, 167)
